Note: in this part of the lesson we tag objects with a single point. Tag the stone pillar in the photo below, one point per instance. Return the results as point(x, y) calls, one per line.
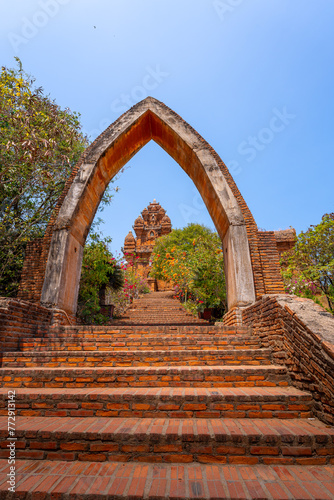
point(61, 284)
point(238, 268)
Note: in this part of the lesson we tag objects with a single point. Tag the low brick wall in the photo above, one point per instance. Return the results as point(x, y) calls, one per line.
point(18, 319)
point(233, 317)
point(32, 275)
point(301, 335)
point(270, 262)
point(22, 319)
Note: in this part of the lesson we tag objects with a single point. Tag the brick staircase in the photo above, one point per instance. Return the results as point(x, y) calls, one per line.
point(175, 411)
point(158, 308)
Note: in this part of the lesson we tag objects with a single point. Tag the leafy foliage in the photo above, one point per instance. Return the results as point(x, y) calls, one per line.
point(134, 286)
point(99, 270)
point(192, 259)
point(39, 145)
point(310, 267)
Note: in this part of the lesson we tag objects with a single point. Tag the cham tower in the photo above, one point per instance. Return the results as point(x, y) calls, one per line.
point(152, 224)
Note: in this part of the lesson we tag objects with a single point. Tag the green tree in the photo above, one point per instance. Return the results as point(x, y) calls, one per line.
point(192, 259)
point(99, 270)
point(310, 266)
point(39, 145)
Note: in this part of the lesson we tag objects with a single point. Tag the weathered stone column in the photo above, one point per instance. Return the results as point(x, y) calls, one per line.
point(238, 268)
point(61, 284)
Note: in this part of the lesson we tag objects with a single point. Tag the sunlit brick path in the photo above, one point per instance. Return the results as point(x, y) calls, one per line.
point(180, 411)
point(116, 480)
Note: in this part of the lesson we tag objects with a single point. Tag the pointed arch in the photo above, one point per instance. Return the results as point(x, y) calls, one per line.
point(148, 120)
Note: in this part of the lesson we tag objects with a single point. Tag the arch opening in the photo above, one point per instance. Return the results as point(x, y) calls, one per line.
point(148, 120)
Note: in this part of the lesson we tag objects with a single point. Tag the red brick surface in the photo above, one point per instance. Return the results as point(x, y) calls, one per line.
point(89, 481)
point(20, 319)
point(164, 376)
point(309, 359)
point(206, 439)
point(138, 358)
point(24, 320)
point(184, 429)
point(268, 402)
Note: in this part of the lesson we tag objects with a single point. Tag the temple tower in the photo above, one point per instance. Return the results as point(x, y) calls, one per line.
point(152, 224)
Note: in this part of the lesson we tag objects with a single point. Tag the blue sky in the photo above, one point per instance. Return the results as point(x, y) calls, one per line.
point(253, 77)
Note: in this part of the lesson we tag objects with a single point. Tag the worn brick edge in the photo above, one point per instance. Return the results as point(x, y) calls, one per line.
point(301, 336)
point(22, 319)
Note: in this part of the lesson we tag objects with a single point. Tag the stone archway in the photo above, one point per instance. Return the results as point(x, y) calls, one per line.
point(148, 120)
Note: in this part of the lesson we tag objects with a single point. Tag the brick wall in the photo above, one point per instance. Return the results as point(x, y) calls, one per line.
point(33, 271)
point(233, 317)
point(285, 240)
point(301, 335)
point(19, 319)
point(270, 265)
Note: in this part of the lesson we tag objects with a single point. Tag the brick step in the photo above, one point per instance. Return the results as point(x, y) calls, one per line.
point(151, 299)
point(137, 358)
point(156, 322)
point(254, 441)
point(156, 308)
point(178, 376)
point(148, 302)
point(163, 314)
point(182, 313)
point(135, 481)
point(126, 343)
point(142, 336)
point(160, 310)
point(159, 319)
point(149, 311)
point(152, 331)
point(261, 402)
